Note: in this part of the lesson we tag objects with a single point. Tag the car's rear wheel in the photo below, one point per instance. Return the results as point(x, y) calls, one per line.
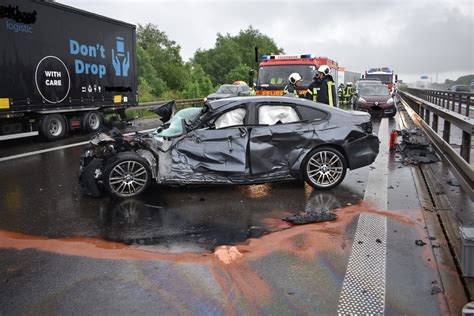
point(324, 168)
point(127, 175)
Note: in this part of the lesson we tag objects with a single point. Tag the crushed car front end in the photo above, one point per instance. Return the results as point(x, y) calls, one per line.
point(104, 151)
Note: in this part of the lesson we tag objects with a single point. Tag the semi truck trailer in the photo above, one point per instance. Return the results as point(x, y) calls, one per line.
point(61, 69)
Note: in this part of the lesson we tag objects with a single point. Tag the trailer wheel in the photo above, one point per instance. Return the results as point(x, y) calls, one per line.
point(53, 126)
point(91, 121)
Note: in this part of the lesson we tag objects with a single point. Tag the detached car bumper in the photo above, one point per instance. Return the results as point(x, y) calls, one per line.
point(89, 174)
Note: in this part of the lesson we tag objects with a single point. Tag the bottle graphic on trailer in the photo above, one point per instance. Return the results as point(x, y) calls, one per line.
point(121, 68)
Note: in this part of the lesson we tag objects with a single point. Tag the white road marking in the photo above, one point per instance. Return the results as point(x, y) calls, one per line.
point(363, 289)
point(37, 152)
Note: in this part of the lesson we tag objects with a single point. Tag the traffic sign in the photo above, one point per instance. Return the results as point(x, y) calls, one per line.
point(424, 77)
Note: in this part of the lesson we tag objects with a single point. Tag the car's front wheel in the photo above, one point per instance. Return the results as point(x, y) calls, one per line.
point(127, 175)
point(324, 168)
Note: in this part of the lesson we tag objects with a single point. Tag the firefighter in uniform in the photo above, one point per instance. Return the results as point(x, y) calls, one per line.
point(313, 88)
point(348, 92)
point(291, 89)
point(340, 93)
point(327, 93)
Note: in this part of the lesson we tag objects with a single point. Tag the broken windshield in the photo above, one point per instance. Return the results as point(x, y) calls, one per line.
point(174, 126)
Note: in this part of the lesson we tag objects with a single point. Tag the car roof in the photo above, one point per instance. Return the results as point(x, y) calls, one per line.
point(224, 104)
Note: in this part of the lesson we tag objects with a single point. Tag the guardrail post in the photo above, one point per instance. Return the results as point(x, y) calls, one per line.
point(460, 103)
point(445, 101)
point(454, 102)
point(427, 116)
point(446, 131)
point(468, 105)
point(466, 146)
point(435, 123)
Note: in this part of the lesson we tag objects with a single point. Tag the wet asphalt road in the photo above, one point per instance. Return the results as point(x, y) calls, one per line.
point(64, 253)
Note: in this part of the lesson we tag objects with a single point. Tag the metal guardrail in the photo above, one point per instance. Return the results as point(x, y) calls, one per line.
point(426, 115)
point(459, 102)
point(147, 105)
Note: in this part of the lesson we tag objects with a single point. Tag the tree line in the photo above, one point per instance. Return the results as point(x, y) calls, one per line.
point(162, 73)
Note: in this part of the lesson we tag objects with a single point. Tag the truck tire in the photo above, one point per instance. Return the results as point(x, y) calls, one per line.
point(91, 121)
point(127, 175)
point(53, 126)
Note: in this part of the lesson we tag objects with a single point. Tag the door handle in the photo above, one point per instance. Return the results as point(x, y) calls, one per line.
point(229, 141)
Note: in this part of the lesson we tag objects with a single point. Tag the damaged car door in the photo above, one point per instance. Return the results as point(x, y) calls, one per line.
point(221, 148)
point(278, 140)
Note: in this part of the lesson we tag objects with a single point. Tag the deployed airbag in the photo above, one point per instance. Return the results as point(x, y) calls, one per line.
point(231, 118)
point(271, 114)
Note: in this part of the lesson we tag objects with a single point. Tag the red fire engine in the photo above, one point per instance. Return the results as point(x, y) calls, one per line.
point(274, 71)
point(384, 74)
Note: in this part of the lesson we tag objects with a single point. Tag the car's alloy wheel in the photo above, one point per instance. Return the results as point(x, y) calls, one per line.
point(127, 176)
point(325, 168)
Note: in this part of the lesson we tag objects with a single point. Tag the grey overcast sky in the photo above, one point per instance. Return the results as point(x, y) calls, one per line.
point(417, 37)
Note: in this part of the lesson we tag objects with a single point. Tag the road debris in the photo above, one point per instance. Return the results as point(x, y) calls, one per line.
point(435, 290)
point(227, 254)
point(453, 182)
point(420, 242)
point(310, 217)
point(416, 148)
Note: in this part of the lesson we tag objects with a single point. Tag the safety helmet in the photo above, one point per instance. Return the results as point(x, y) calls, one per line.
point(349, 83)
point(324, 69)
point(294, 77)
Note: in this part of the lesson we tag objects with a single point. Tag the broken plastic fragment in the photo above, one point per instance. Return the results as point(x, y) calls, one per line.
point(419, 242)
point(310, 217)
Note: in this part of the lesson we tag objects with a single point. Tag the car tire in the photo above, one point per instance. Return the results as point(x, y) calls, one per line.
point(91, 121)
point(53, 126)
point(126, 175)
point(324, 168)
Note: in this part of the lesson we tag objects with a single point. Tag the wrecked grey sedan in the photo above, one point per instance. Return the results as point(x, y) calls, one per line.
point(244, 140)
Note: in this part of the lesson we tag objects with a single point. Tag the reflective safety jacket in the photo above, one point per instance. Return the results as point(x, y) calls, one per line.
point(348, 91)
point(327, 93)
point(313, 89)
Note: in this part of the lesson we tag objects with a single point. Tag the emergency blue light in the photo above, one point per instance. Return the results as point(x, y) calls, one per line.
point(307, 56)
point(265, 57)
